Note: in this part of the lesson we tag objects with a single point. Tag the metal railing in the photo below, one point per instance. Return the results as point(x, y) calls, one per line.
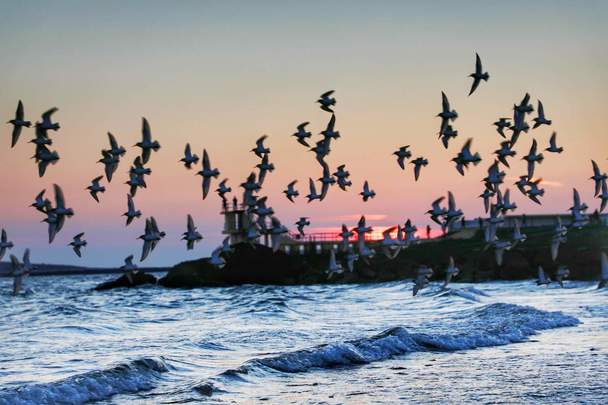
point(320, 237)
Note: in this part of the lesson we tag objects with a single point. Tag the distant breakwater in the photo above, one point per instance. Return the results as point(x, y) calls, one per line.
point(65, 270)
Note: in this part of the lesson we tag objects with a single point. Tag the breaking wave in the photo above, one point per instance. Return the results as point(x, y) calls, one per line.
point(135, 376)
point(489, 325)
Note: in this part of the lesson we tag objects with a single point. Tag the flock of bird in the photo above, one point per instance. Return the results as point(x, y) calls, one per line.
point(261, 219)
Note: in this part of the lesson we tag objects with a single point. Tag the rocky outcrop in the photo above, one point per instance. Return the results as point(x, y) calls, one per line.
point(258, 264)
point(139, 278)
point(247, 264)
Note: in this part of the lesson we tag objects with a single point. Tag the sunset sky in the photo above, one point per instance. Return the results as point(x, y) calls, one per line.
point(221, 74)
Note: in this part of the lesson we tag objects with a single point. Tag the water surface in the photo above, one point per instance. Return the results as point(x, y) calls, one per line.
point(494, 342)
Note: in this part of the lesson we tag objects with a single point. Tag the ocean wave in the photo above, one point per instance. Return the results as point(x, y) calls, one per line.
point(489, 325)
point(468, 293)
point(135, 376)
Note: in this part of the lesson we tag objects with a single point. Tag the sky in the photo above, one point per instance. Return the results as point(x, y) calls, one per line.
point(221, 74)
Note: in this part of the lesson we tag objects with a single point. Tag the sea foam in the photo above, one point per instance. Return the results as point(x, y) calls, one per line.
point(489, 325)
point(135, 376)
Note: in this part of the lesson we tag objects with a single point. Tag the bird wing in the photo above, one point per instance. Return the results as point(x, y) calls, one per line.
point(3, 237)
point(145, 132)
point(324, 190)
point(148, 228)
point(400, 160)
point(366, 187)
point(331, 123)
point(303, 142)
point(260, 142)
point(109, 170)
point(534, 198)
point(145, 251)
point(596, 168)
point(113, 143)
point(541, 110)
point(40, 195)
point(15, 135)
point(361, 222)
point(451, 202)
point(46, 116)
point(576, 197)
point(486, 203)
point(554, 249)
point(19, 113)
point(52, 231)
point(530, 169)
point(145, 155)
point(206, 163)
point(302, 126)
point(129, 260)
point(476, 81)
point(387, 232)
point(191, 227)
point(327, 93)
point(436, 203)
point(42, 165)
point(265, 159)
point(15, 265)
point(417, 168)
point(311, 186)
point(460, 168)
point(153, 225)
point(445, 104)
point(130, 204)
point(262, 176)
point(59, 198)
point(533, 147)
point(445, 140)
point(206, 185)
point(26, 258)
point(498, 253)
point(94, 195)
point(466, 148)
point(187, 152)
point(478, 67)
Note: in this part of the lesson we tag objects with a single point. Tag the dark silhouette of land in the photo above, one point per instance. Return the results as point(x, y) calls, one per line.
point(62, 270)
point(257, 264)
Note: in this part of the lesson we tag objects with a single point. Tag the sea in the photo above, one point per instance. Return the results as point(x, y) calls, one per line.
point(61, 342)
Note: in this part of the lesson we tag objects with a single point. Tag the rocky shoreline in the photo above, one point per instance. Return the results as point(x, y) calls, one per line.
point(259, 265)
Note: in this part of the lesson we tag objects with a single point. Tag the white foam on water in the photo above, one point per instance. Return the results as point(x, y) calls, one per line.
point(489, 325)
point(135, 376)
